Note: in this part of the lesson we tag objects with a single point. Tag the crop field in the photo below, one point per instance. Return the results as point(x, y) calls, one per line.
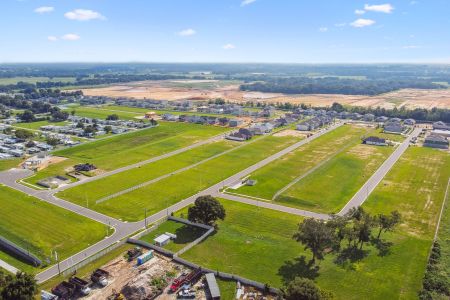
point(159, 195)
point(249, 242)
point(185, 234)
point(42, 228)
point(103, 187)
point(334, 167)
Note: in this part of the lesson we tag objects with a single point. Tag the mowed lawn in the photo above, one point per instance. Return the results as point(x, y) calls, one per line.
point(101, 113)
point(159, 195)
point(37, 125)
point(279, 173)
point(333, 184)
point(41, 227)
point(125, 149)
point(6, 164)
point(103, 187)
point(186, 234)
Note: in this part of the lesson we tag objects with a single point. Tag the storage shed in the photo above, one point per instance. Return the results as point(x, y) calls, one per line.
point(162, 240)
point(212, 286)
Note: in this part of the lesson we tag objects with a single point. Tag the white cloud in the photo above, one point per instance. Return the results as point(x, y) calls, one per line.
point(228, 46)
point(411, 47)
point(247, 2)
point(362, 23)
point(71, 37)
point(323, 29)
point(383, 8)
point(84, 15)
point(44, 9)
point(52, 38)
point(187, 32)
point(360, 11)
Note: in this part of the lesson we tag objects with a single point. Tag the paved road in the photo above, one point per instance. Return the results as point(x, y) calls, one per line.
point(361, 196)
point(124, 229)
point(282, 208)
point(8, 267)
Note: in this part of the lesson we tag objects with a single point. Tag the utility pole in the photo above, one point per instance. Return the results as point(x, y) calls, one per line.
point(145, 219)
point(57, 261)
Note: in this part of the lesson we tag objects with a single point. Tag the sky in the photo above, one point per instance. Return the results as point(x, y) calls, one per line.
point(285, 31)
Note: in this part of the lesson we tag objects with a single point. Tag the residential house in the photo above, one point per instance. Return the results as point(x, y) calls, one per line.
point(436, 141)
point(393, 127)
point(235, 122)
point(374, 140)
point(410, 122)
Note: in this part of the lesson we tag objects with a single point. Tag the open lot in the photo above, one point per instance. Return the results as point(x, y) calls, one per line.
point(257, 243)
point(103, 187)
point(42, 228)
point(101, 112)
point(159, 195)
point(167, 90)
point(329, 187)
point(37, 125)
point(322, 175)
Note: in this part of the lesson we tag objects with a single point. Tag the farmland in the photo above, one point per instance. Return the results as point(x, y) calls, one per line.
point(130, 206)
point(43, 228)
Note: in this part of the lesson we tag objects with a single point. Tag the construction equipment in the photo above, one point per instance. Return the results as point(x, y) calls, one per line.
point(65, 290)
point(100, 277)
point(191, 278)
point(81, 284)
point(133, 253)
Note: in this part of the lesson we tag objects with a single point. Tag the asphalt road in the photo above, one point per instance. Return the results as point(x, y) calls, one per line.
point(363, 193)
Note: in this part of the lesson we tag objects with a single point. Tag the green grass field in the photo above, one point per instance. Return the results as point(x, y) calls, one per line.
point(347, 164)
point(101, 113)
point(42, 228)
point(329, 187)
point(252, 244)
point(185, 234)
point(159, 195)
point(14, 80)
point(444, 239)
point(98, 189)
point(37, 125)
point(6, 164)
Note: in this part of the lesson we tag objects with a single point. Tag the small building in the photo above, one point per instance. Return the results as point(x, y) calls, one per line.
point(235, 122)
point(374, 140)
point(162, 240)
point(409, 122)
point(439, 125)
point(393, 127)
point(436, 141)
point(445, 133)
point(150, 115)
point(381, 119)
point(368, 117)
point(214, 291)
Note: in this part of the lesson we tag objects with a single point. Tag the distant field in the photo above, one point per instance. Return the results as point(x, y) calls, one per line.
point(14, 80)
point(98, 189)
point(42, 227)
point(168, 191)
point(185, 235)
point(100, 113)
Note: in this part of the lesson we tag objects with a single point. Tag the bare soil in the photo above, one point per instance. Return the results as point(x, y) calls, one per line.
point(165, 90)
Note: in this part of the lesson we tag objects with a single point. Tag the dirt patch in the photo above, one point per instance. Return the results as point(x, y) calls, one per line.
point(290, 132)
point(50, 161)
point(364, 152)
point(165, 90)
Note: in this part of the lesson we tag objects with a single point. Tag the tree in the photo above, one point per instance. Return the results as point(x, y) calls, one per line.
point(305, 289)
point(153, 122)
point(27, 116)
point(73, 112)
point(22, 286)
point(89, 130)
point(316, 236)
point(52, 141)
point(108, 129)
point(113, 117)
point(387, 222)
point(23, 134)
point(206, 210)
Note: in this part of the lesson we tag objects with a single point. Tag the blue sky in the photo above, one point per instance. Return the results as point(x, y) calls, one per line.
point(299, 31)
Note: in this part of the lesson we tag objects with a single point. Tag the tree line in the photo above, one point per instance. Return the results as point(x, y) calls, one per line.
point(336, 85)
